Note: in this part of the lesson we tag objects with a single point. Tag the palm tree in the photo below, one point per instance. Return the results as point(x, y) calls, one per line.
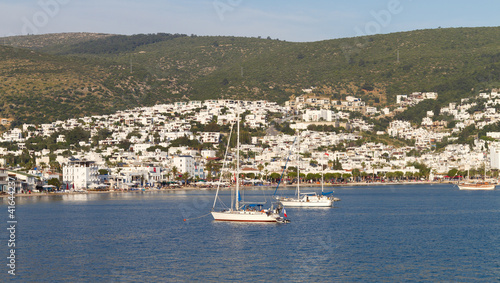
point(356, 173)
point(399, 175)
point(363, 176)
point(337, 176)
point(186, 177)
point(275, 176)
point(266, 172)
point(260, 167)
point(175, 172)
point(346, 176)
point(408, 175)
point(168, 174)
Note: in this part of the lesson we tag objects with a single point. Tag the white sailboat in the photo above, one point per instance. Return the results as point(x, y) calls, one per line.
point(310, 199)
point(246, 212)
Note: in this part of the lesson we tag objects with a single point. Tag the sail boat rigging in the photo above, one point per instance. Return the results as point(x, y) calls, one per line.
point(247, 212)
point(310, 199)
point(477, 185)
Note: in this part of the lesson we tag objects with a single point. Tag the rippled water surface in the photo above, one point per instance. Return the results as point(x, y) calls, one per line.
point(382, 234)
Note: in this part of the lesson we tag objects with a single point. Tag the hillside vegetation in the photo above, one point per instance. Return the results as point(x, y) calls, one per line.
point(37, 87)
point(95, 73)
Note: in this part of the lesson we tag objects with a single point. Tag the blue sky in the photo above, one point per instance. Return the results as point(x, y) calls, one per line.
point(290, 20)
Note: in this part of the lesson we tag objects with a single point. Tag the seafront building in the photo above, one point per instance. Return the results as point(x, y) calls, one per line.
point(138, 148)
point(80, 174)
point(4, 178)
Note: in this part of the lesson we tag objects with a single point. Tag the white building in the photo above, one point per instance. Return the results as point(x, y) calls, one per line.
point(206, 153)
point(14, 135)
point(319, 115)
point(4, 178)
point(80, 174)
point(209, 137)
point(495, 158)
point(184, 164)
point(495, 135)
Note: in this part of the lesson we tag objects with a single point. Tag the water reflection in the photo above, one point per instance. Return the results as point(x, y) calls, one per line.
point(85, 197)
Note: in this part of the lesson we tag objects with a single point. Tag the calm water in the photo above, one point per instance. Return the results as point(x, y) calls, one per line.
point(375, 234)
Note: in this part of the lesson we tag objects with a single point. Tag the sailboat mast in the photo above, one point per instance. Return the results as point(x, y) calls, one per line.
point(238, 157)
point(298, 164)
point(322, 175)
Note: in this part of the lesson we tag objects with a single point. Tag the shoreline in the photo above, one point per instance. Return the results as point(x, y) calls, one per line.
point(193, 188)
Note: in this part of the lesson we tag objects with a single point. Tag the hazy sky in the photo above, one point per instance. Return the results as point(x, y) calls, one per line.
point(290, 20)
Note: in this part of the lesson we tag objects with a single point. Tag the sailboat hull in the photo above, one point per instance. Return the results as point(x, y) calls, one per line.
point(245, 216)
point(299, 203)
point(307, 201)
point(476, 187)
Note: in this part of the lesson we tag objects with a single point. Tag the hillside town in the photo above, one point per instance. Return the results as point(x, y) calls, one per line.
point(184, 142)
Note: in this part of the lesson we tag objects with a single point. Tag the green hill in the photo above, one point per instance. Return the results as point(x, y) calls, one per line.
point(37, 87)
point(145, 69)
point(54, 42)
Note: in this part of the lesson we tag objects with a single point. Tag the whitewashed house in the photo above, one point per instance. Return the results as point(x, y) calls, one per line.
point(80, 174)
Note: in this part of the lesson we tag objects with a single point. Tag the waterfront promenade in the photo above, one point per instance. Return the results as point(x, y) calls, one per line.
point(191, 187)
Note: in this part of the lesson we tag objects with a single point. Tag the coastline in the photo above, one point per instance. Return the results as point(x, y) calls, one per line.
point(191, 188)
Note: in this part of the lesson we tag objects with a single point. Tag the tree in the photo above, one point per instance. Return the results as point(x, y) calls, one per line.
point(390, 175)
point(356, 173)
point(408, 175)
point(134, 133)
point(453, 172)
point(212, 167)
point(337, 165)
point(337, 176)
point(77, 135)
point(186, 177)
point(102, 134)
point(328, 176)
point(275, 176)
point(346, 176)
point(124, 144)
point(364, 175)
point(310, 176)
point(175, 172)
point(423, 170)
point(250, 175)
point(399, 175)
point(54, 182)
point(292, 174)
point(260, 167)
point(212, 127)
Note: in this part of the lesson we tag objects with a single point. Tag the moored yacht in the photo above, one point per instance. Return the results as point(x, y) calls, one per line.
point(246, 212)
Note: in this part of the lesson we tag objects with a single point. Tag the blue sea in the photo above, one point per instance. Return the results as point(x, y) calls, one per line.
point(397, 233)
